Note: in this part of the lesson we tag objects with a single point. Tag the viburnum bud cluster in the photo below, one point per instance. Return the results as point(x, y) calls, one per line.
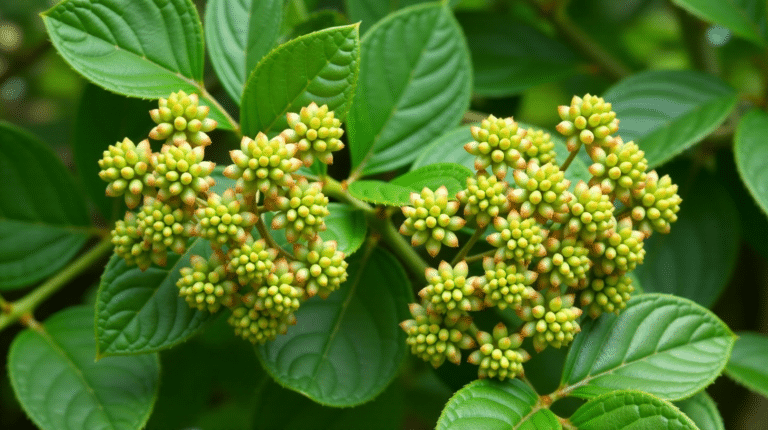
point(244, 269)
point(558, 249)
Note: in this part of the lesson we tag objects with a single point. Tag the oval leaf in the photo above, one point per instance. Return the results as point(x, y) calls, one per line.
point(415, 83)
point(629, 409)
point(665, 112)
point(42, 214)
point(319, 67)
point(747, 363)
point(697, 258)
point(346, 349)
point(702, 410)
point(139, 312)
point(743, 17)
point(371, 11)
point(509, 57)
point(381, 193)
point(62, 387)
point(141, 48)
point(499, 405)
point(346, 226)
point(752, 155)
point(452, 176)
point(239, 33)
point(664, 345)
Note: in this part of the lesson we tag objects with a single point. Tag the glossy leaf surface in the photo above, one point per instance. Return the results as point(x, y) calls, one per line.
point(625, 410)
point(747, 363)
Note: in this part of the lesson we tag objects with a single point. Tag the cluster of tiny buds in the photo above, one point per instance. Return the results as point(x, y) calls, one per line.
point(176, 187)
point(551, 242)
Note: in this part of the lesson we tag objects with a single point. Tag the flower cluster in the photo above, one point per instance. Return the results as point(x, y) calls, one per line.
point(557, 251)
point(245, 269)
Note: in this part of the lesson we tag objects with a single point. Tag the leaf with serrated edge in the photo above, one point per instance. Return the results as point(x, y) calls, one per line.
point(43, 217)
point(138, 312)
point(318, 67)
point(751, 154)
point(452, 176)
point(139, 48)
point(747, 363)
point(745, 18)
point(665, 345)
point(62, 387)
point(702, 410)
point(665, 112)
point(345, 350)
point(496, 404)
point(630, 409)
point(415, 82)
point(239, 33)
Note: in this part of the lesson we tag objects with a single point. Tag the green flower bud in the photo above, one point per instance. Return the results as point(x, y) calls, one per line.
point(621, 250)
point(505, 284)
point(164, 228)
point(320, 267)
point(517, 239)
point(550, 320)
point(127, 168)
point(279, 296)
point(484, 199)
point(430, 220)
point(255, 326)
point(591, 213)
point(224, 221)
point(606, 293)
point(180, 171)
point(499, 355)
point(542, 150)
point(588, 120)
point(567, 262)
point(499, 143)
point(655, 207)
point(449, 291)
point(302, 211)
point(434, 338)
point(180, 118)
point(542, 192)
point(316, 133)
point(620, 171)
point(204, 285)
point(252, 261)
point(262, 164)
point(129, 245)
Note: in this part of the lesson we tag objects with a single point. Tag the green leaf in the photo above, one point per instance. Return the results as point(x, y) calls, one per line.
point(138, 312)
point(43, 216)
point(702, 410)
point(371, 11)
point(95, 129)
point(751, 154)
point(491, 404)
point(509, 57)
point(318, 67)
point(61, 386)
point(139, 48)
point(630, 409)
point(697, 258)
point(283, 409)
point(346, 226)
point(239, 33)
point(380, 192)
point(449, 148)
point(346, 349)
point(415, 83)
point(745, 18)
point(665, 112)
point(452, 176)
point(747, 363)
point(664, 345)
